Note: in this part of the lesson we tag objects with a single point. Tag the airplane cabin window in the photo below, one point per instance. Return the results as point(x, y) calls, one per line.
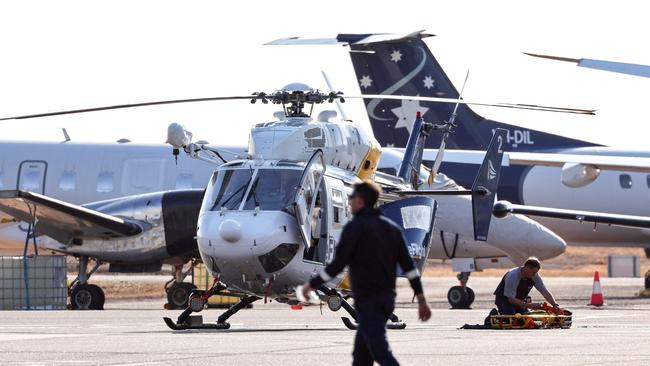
point(184, 181)
point(67, 181)
point(647, 180)
point(105, 182)
point(625, 180)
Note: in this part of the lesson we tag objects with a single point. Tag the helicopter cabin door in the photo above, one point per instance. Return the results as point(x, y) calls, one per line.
point(306, 194)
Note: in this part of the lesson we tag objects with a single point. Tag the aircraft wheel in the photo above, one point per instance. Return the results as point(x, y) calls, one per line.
point(458, 297)
point(87, 297)
point(178, 295)
point(471, 296)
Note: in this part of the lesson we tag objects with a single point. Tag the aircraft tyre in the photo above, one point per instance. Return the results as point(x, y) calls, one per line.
point(178, 295)
point(471, 296)
point(87, 297)
point(459, 297)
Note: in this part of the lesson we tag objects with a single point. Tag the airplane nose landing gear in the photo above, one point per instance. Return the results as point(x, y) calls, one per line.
point(84, 296)
point(87, 297)
point(461, 297)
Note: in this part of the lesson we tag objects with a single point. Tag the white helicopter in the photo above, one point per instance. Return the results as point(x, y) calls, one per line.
point(269, 222)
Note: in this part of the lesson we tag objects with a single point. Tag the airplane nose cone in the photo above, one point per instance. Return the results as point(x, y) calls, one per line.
point(230, 231)
point(546, 243)
point(520, 237)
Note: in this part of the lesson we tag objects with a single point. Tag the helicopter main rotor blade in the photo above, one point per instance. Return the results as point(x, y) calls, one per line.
point(133, 105)
point(264, 97)
point(533, 107)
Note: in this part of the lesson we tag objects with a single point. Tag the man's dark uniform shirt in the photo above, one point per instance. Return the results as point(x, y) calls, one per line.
point(371, 245)
point(514, 285)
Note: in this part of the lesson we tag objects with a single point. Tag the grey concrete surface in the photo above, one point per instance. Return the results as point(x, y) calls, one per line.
point(132, 333)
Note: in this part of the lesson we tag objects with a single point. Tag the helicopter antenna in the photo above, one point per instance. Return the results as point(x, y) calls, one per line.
point(339, 106)
point(448, 128)
point(65, 135)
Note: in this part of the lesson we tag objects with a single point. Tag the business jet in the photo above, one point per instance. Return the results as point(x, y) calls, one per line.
point(540, 169)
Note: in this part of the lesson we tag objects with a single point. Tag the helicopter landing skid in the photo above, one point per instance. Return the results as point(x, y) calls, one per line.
point(390, 325)
point(393, 321)
point(195, 323)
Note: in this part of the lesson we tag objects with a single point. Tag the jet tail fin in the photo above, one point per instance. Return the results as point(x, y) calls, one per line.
point(485, 185)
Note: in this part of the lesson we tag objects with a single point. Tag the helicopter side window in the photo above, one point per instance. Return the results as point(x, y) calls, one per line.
point(273, 189)
point(317, 250)
point(227, 188)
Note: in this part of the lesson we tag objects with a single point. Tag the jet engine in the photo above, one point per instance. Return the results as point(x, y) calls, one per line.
point(577, 175)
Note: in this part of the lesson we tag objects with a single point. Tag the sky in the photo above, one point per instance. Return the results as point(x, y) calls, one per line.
point(78, 54)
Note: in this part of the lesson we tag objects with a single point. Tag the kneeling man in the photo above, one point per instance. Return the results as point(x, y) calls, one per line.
point(511, 294)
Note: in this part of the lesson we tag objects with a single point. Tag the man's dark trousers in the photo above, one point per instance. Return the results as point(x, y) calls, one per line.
point(370, 343)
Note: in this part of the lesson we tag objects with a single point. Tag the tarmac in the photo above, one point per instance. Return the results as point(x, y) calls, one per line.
point(132, 333)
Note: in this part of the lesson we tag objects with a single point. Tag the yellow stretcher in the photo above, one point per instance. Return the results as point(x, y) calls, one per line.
point(545, 318)
point(203, 281)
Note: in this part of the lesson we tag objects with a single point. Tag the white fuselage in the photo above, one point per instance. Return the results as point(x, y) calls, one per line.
point(618, 192)
point(612, 191)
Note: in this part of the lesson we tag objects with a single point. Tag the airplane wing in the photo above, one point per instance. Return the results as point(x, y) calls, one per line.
point(619, 67)
point(626, 163)
point(504, 208)
point(64, 221)
point(603, 162)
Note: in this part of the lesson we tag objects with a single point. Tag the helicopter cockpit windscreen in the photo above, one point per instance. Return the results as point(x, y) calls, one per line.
point(273, 189)
point(227, 188)
point(269, 189)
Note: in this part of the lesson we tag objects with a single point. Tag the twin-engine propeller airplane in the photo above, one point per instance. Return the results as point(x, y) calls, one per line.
point(270, 222)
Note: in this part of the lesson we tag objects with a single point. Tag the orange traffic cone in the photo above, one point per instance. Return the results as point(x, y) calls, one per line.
point(597, 298)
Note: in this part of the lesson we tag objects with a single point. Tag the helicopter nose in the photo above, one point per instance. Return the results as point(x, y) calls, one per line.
point(230, 231)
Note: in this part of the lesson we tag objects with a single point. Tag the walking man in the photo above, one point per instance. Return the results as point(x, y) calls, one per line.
point(372, 246)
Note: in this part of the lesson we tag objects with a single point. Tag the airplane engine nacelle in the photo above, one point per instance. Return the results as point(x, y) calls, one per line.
point(577, 175)
point(169, 228)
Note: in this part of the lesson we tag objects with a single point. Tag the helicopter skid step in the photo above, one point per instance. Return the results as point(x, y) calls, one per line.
point(390, 325)
point(175, 326)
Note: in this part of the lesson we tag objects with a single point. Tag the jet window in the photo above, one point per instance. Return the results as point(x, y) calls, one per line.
point(625, 180)
point(68, 181)
point(273, 189)
point(227, 188)
point(184, 181)
point(647, 180)
point(105, 182)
